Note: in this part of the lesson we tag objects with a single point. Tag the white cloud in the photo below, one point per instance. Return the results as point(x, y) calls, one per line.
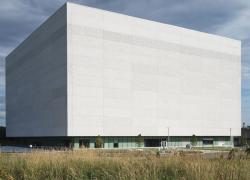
point(246, 72)
point(238, 27)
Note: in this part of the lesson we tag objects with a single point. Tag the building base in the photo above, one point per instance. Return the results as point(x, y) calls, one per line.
point(123, 142)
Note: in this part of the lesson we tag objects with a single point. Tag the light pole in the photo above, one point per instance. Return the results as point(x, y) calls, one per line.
point(168, 137)
point(231, 137)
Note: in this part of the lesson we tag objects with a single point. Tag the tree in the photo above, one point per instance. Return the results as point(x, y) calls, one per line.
point(2, 132)
point(139, 140)
point(98, 142)
point(2, 135)
point(193, 140)
point(243, 138)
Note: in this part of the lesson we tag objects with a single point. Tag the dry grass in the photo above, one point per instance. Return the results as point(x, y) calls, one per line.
point(96, 164)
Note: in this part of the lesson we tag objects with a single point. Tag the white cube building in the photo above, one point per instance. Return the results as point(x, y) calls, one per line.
point(87, 72)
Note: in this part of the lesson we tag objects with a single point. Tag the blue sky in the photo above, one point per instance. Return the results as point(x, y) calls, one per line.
point(230, 18)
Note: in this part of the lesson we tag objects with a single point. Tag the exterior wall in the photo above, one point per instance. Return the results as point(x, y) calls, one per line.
point(88, 72)
point(2, 90)
point(129, 76)
point(36, 80)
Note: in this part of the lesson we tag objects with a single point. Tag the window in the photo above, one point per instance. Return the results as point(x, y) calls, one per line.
point(208, 141)
point(116, 145)
point(152, 142)
point(84, 143)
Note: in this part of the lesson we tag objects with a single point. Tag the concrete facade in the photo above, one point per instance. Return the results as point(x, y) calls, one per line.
point(2, 95)
point(129, 76)
point(36, 82)
point(88, 72)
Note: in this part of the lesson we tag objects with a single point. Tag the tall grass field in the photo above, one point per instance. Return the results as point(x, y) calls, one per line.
point(115, 165)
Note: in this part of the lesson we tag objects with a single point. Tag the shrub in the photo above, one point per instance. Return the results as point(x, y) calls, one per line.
point(231, 154)
point(98, 142)
point(158, 153)
point(247, 151)
point(139, 140)
point(193, 140)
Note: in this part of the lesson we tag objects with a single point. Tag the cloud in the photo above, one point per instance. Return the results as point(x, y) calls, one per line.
point(237, 27)
point(245, 68)
point(246, 72)
point(202, 15)
point(19, 18)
